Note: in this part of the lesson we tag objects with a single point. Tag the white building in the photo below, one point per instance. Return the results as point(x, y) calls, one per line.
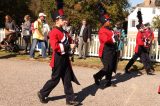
point(148, 10)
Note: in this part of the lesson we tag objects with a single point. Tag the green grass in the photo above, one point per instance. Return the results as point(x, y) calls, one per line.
point(91, 62)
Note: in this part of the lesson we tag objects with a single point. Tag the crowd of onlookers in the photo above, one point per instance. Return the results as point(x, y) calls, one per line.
point(36, 35)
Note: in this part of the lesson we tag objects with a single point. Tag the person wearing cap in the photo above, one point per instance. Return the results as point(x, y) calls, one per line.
point(141, 50)
point(107, 51)
point(61, 43)
point(38, 36)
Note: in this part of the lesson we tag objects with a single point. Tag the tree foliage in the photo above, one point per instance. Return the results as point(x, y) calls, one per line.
point(156, 22)
point(76, 10)
point(15, 8)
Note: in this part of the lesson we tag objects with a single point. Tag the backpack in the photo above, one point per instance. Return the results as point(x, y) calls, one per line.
point(32, 27)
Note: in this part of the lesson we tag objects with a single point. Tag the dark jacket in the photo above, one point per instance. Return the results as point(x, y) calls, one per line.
point(86, 33)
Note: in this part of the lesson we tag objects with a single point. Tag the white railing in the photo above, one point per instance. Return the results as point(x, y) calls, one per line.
point(2, 34)
point(128, 51)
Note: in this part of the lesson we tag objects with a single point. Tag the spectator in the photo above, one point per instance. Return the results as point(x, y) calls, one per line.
point(26, 33)
point(10, 27)
point(38, 36)
point(46, 30)
point(84, 35)
point(121, 33)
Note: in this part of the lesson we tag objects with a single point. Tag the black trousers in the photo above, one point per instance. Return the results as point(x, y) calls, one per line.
point(143, 53)
point(109, 60)
point(62, 70)
point(27, 40)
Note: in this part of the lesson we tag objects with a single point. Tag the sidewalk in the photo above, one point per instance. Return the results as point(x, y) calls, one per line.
point(20, 80)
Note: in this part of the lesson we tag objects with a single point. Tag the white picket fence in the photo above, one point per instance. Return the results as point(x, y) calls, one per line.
point(2, 34)
point(128, 51)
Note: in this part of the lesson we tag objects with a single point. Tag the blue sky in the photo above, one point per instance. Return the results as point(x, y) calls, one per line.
point(135, 2)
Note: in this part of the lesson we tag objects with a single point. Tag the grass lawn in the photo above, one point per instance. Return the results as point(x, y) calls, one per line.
point(91, 62)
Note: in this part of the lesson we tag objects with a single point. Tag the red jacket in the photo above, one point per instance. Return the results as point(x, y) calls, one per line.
point(56, 38)
point(141, 36)
point(149, 34)
point(139, 41)
point(105, 36)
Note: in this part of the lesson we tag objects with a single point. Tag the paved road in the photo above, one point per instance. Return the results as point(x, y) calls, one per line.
point(20, 80)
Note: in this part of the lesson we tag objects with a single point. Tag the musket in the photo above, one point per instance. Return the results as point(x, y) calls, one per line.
point(75, 41)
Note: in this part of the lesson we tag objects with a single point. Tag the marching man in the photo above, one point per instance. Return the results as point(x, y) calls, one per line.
point(107, 51)
point(61, 44)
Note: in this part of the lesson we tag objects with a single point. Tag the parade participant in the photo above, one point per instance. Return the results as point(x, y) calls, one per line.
point(61, 44)
point(135, 56)
point(107, 51)
point(143, 42)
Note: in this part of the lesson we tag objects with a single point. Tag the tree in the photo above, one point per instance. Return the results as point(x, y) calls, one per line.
point(76, 10)
point(15, 8)
point(156, 22)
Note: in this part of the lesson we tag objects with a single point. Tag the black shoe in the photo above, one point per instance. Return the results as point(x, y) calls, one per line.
point(41, 98)
point(73, 102)
point(149, 72)
point(126, 71)
point(108, 84)
point(97, 82)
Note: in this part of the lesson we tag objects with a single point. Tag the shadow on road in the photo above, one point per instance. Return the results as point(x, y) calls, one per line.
point(89, 90)
point(92, 89)
point(55, 98)
point(7, 56)
point(125, 77)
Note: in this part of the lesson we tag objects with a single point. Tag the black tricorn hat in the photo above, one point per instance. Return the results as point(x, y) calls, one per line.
point(57, 15)
point(138, 26)
point(104, 18)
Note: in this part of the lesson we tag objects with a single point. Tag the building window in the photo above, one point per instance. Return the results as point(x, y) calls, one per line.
point(154, 11)
point(133, 24)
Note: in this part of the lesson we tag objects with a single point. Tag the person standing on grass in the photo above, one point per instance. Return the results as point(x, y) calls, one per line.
point(61, 43)
point(26, 33)
point(84, 36)
point(46, 30)
point(38, 36)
